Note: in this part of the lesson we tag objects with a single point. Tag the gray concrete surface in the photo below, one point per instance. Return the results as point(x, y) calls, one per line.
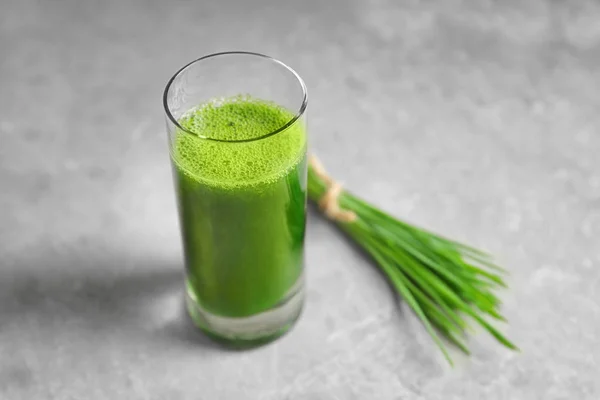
point(476, 118)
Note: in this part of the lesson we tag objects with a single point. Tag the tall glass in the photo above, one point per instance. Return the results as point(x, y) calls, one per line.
point(237, 139)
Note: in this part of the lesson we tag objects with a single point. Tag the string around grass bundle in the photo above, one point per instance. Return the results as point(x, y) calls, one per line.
point(449, 285)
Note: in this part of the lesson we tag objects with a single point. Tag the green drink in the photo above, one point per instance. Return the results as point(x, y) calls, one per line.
point(240, 174)
point(242, 206)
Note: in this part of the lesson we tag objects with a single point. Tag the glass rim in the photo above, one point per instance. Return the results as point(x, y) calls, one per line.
point(285, 126)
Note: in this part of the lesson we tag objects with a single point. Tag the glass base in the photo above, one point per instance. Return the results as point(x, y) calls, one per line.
point(253, 330)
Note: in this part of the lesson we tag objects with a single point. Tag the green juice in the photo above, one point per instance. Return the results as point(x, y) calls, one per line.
point(242, 205)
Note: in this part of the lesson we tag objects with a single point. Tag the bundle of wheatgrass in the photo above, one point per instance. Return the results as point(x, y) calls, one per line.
point(447, 284)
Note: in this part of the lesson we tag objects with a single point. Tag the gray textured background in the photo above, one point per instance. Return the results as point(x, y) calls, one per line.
point(478, 119)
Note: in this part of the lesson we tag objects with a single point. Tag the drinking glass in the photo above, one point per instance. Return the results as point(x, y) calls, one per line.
point(236, 124)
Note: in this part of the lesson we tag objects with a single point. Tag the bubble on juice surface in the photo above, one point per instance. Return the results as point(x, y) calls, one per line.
point(239, 154)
